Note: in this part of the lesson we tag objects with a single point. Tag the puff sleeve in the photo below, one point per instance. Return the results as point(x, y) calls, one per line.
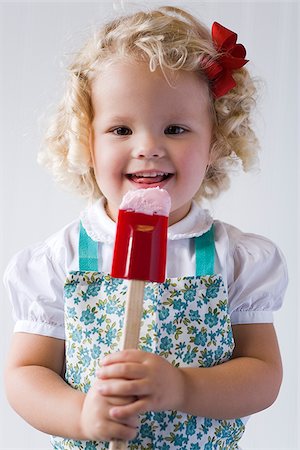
point(35, 287)
point(258, 282)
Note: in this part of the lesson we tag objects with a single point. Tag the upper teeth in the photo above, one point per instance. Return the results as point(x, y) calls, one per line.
point(150, 175)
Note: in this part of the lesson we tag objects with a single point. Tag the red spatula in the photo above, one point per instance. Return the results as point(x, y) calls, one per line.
point(139, 256)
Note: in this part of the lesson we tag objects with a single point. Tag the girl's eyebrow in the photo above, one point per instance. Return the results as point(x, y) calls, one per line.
point(108, 120)
point(118, 118)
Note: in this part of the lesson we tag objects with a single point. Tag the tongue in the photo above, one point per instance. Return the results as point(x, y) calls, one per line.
point(148, 180)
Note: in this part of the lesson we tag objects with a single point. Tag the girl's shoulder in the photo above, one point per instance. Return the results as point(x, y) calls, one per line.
point(248, 253)
point(256, 273)
point(244, 243)
point(58, 251)
point(34, 280)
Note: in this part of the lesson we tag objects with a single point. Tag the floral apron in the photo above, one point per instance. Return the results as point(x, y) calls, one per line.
point(185, 320)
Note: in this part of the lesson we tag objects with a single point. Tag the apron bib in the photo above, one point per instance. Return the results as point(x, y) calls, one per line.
point(185, 320)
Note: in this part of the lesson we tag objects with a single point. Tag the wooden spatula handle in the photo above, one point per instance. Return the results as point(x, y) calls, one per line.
point(131, 330)
point(118, 445)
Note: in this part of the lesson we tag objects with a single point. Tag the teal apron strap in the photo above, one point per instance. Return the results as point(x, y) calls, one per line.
point(88, 252)
point(205, 253)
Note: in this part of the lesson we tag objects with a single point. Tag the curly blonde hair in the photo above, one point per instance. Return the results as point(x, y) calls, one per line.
point(168, 38)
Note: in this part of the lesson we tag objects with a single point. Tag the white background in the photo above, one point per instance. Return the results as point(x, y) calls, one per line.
point(36, 42)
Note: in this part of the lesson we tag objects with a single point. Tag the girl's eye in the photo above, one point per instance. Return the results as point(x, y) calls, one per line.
point(122, 131)
point(174, 129)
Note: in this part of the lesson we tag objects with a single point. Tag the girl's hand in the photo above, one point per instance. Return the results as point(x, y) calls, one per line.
point(153, 381)
point(97, 423)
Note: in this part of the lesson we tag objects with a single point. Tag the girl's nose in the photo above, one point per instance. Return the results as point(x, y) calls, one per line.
point(148, 148)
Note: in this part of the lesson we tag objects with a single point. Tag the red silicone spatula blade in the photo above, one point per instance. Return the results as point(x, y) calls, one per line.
point(140, 247)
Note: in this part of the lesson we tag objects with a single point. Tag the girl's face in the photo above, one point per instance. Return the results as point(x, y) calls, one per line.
point(147, 134)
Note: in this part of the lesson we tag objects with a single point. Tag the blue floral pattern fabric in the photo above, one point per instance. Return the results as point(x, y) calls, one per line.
point(185, 320)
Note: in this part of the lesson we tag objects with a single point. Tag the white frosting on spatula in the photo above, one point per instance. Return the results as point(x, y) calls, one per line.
point(147, 201)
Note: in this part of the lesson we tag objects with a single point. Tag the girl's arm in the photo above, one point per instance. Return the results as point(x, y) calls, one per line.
point(36, 390)
point(247, 383)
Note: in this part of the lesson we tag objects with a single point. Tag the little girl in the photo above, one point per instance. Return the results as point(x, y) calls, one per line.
point(153, 100)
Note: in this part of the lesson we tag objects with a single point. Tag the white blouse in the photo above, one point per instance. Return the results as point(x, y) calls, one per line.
point(253, 269)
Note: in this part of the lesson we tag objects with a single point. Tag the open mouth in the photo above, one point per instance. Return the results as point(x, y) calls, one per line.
point(149, 177)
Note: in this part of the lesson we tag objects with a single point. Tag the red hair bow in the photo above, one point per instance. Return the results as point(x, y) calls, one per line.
point(232, 57)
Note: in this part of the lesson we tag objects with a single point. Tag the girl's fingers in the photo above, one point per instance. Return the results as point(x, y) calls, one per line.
point(129, 355)
point(120, 401)
point(122, 388)
point(131, 410)
point(130, 421)
point(119, 430)
point(129, 371)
